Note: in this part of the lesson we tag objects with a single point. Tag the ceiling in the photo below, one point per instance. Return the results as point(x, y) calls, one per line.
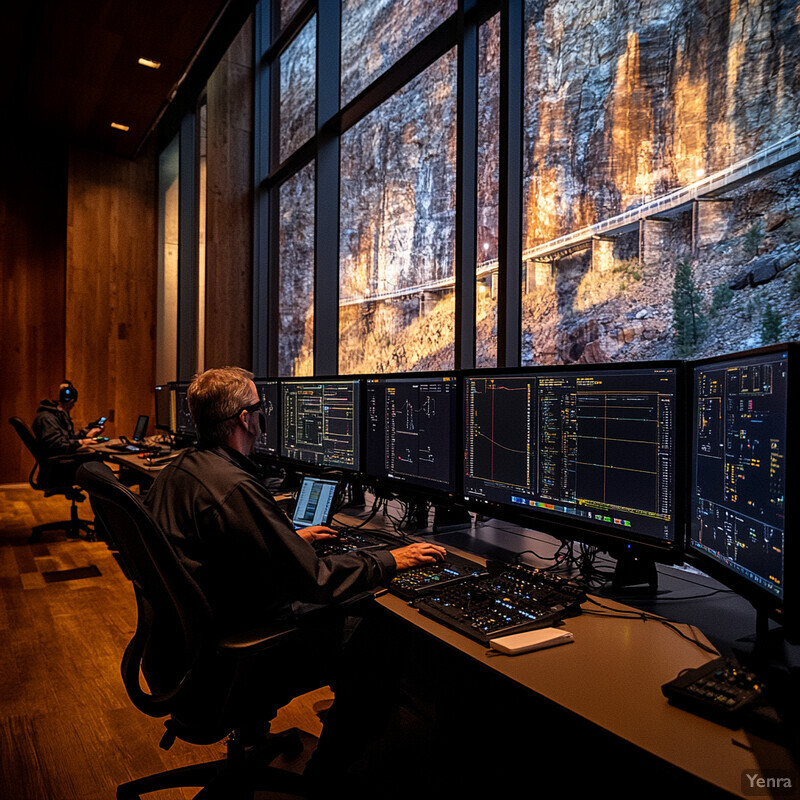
point(68, 68)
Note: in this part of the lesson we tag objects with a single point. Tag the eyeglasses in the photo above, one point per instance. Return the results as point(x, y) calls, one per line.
point(252, 409)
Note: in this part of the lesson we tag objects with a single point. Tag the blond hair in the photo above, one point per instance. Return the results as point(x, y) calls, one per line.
point(215, 398)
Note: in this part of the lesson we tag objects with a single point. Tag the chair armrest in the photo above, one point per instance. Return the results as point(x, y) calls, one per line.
point(69, 458)
point(257, 640)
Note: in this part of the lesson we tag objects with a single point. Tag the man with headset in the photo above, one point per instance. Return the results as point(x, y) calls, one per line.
point(255, 568)
point(53, 425)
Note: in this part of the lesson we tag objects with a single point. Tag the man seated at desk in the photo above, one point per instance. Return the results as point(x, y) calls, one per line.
point(255, 568)
point(55, 432)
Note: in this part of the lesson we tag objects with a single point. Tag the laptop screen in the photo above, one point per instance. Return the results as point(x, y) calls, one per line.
point(141, 428)
point(314, 502)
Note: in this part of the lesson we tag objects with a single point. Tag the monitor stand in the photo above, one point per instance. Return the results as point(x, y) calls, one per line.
point(635, 575)
point(450, 519)
point(356, 497)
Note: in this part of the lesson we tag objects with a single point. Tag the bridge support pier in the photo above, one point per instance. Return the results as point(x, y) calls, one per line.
point(655, 241)
point(538, 274)
point(711, 221)
point(427, 300)
point(602, 254)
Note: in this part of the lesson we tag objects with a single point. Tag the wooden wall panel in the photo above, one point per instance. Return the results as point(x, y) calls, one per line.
point(111, 286)
point(229, 234)
point(33, 181)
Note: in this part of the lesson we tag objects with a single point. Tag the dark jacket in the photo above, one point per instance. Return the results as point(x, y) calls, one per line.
point(54, 431)
point(240, 547)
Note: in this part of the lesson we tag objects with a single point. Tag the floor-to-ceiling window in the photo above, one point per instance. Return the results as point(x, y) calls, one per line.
point(167, 315)
point(458, 183)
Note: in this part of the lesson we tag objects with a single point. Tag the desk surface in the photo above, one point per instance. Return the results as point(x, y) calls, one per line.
point(129, 460)
point(612, 675)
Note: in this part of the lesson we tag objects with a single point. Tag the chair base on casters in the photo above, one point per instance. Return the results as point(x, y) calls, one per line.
point(236, 777)
point(72, 526)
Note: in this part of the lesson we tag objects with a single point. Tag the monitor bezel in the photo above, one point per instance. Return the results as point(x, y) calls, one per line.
point(271, 454)
point(784, 611)
point(299, 464)
point(160, 425)
point(616, 543)
point(176, 387)
point(410, 488)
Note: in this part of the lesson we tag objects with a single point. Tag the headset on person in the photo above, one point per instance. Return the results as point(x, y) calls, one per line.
point(67, 392)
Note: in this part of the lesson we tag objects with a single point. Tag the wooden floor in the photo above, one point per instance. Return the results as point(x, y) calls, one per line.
point(67, 728)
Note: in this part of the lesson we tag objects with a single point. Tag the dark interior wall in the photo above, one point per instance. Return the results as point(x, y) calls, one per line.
point(77, 285)
point(33, 193)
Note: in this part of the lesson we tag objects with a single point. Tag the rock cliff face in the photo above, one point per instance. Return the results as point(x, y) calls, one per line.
point(629, 99)
point(625, 100)
point(397, 213)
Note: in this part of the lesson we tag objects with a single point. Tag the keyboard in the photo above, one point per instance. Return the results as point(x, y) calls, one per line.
point(517, 599)
point(418, 581)
point(350, 539)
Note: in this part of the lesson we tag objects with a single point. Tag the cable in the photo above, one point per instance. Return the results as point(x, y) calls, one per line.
point(644, 616)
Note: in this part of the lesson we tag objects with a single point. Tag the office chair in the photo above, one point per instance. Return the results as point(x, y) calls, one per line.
point(44, 478)
point(200, 681)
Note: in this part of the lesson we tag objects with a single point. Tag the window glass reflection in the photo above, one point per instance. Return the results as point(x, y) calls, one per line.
point(488, 192)
point(296, 274)
point(298, 90)
point(376, 33)
point(397, 229)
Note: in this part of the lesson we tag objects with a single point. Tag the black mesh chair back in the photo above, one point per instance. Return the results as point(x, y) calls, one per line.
point(47, 475)
point(192, 676)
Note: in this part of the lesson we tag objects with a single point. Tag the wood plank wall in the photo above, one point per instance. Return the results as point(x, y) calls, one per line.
point(33, 187)
point(78, 281)
point(229, 260)
point(78, 265)
point(111, 286)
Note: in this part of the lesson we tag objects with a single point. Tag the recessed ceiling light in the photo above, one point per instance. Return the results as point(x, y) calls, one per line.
point(146, 62)
point(120, 127)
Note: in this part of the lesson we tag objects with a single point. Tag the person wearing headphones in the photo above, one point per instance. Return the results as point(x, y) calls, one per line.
point(53, 425)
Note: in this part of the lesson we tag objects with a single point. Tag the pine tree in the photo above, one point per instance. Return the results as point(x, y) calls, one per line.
point(688, 319)
point(771, 325)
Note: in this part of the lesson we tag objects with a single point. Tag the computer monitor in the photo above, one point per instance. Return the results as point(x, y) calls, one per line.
point(410, 430)
point(743, 435)
point(268, 443)
point(321, 422)
point(586, 453)
point(181, 423)
point(162, 404)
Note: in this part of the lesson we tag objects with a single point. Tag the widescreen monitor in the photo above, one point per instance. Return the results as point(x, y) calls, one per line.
point(320, 422)
point(268, 443)
point(588, 452)
point(410, 430)
point(743, 435)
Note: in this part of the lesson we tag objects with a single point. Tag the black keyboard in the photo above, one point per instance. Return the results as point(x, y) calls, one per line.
point(517, 599)
point(348, 540)
point(418, 581)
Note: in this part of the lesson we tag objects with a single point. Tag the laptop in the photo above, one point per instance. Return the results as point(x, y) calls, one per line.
point(137, 443)
point(315, 502)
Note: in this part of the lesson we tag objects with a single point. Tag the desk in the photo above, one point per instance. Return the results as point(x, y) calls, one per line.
point(610, 678)
point(140, 470)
